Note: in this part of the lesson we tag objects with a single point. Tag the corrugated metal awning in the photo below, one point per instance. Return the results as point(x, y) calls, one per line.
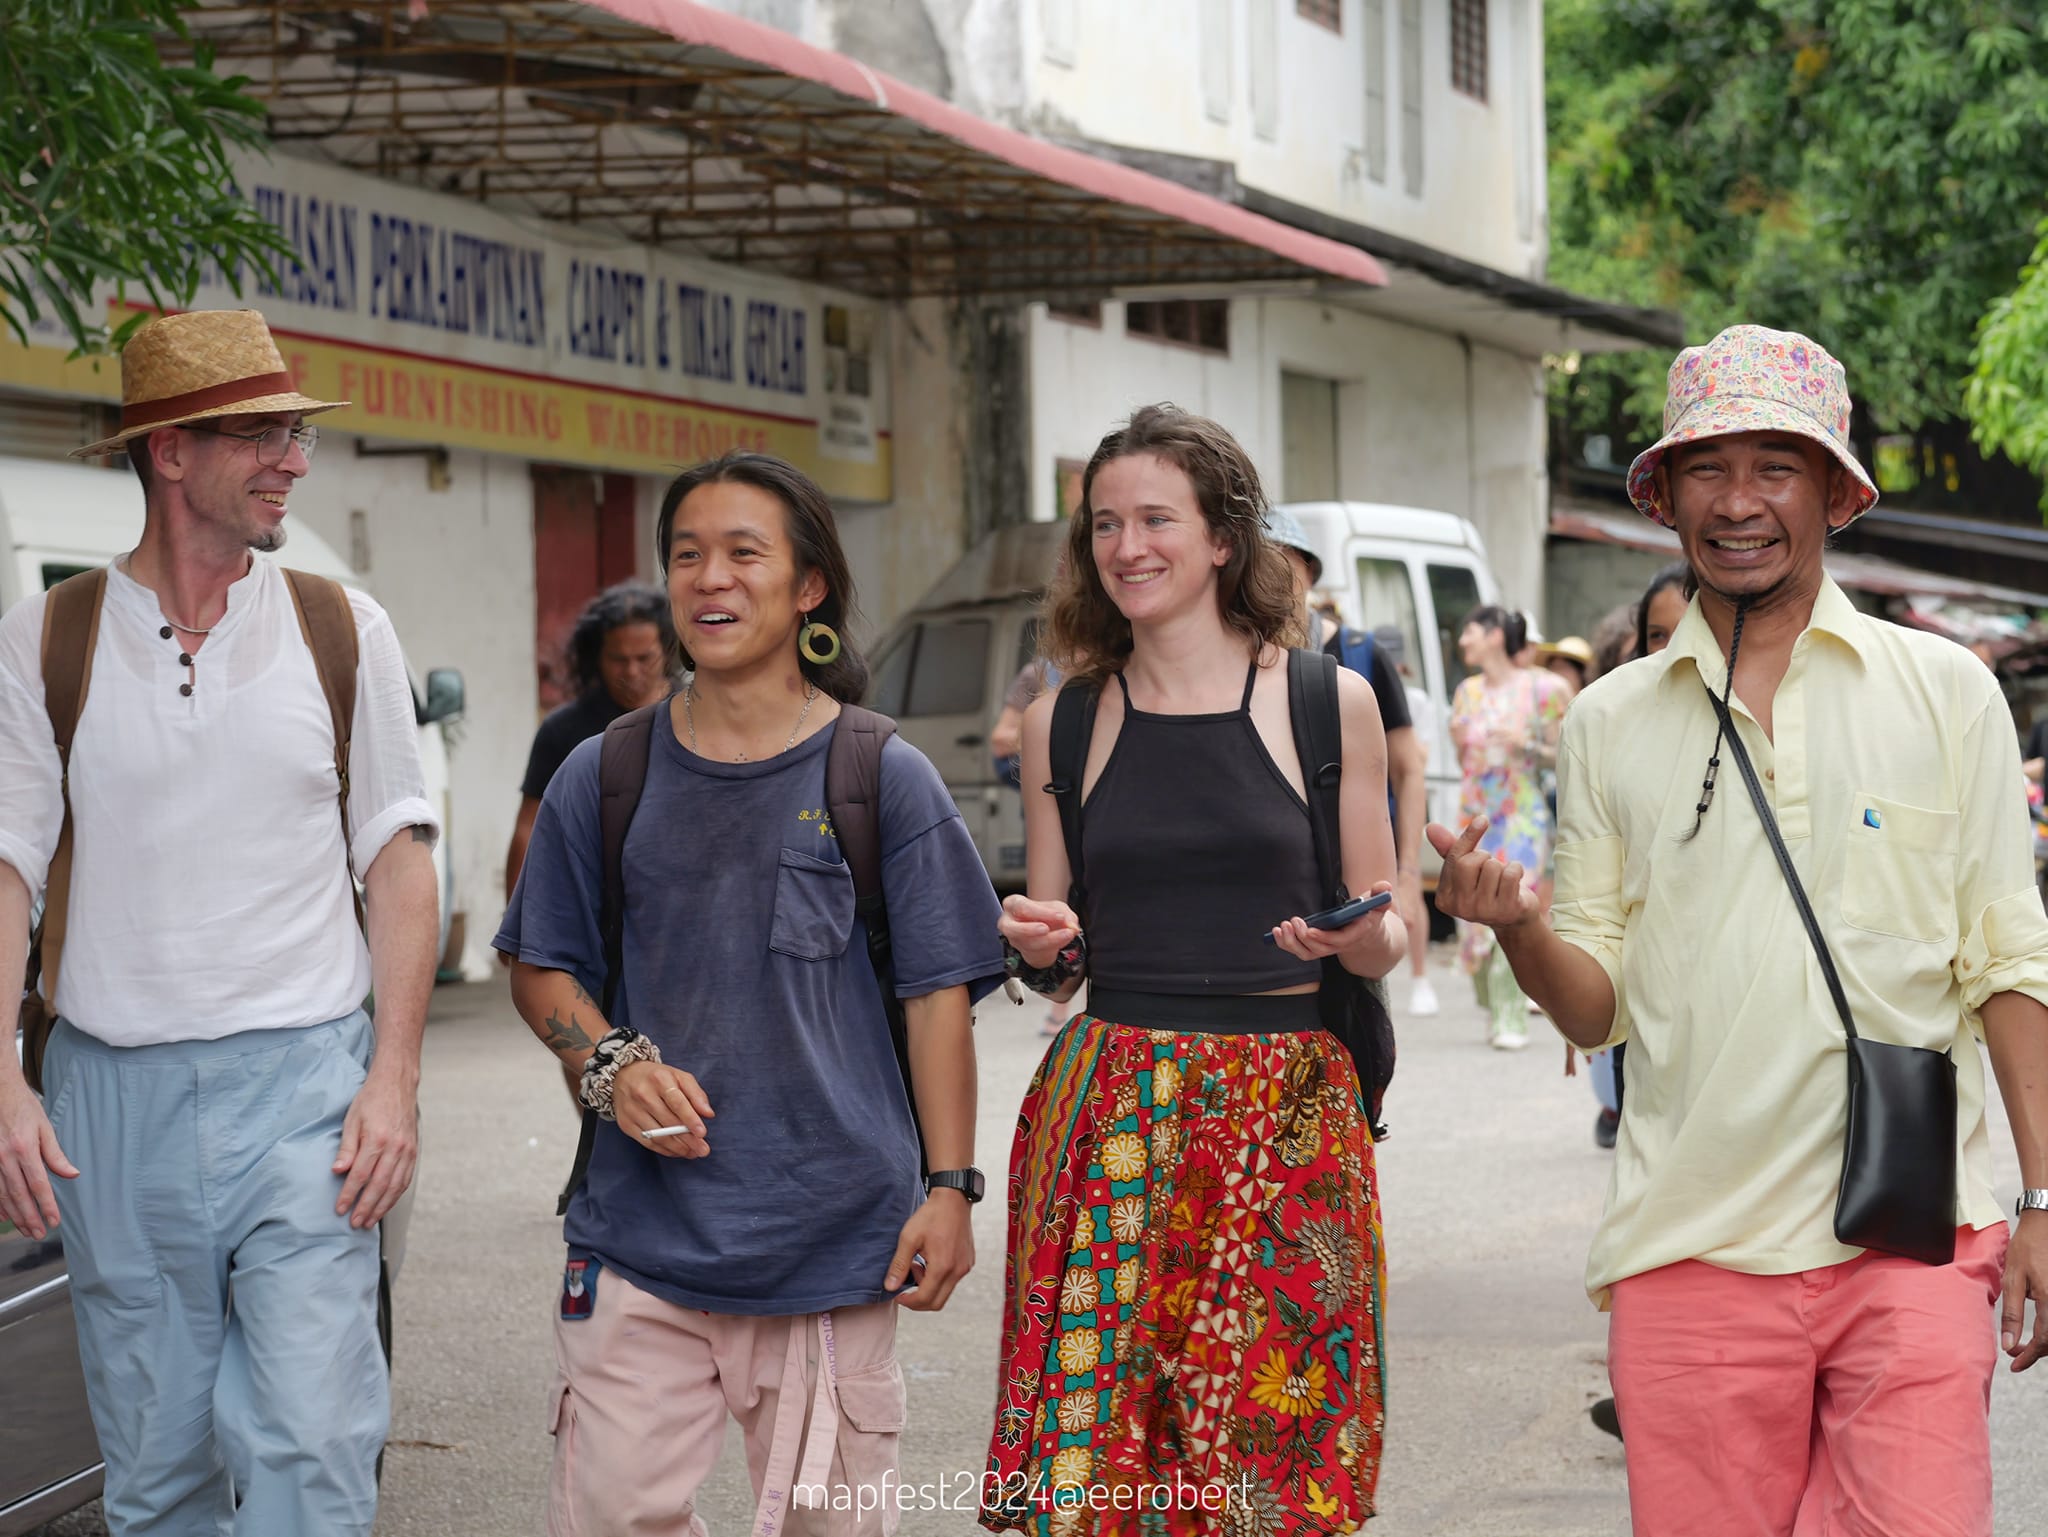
point(674, 125)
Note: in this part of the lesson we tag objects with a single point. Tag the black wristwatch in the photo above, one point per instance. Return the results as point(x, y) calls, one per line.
point(967, 1181)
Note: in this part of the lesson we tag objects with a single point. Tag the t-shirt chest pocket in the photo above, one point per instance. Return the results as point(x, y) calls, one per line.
point(1899, 872)
point(813, 908)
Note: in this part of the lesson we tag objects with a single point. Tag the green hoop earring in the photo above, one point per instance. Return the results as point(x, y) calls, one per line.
point(809, 634)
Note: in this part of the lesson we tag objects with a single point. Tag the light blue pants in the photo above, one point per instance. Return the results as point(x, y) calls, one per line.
point(227, 1318)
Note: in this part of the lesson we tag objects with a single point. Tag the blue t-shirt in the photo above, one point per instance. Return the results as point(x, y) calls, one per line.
point(745, 965)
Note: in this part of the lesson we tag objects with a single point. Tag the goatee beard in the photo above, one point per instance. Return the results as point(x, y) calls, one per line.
point(270, 543)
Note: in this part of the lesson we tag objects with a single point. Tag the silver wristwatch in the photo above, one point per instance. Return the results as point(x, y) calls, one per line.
point(2031, 1200)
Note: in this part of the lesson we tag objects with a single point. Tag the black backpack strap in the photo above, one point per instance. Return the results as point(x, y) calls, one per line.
point(1073, 728)
point(853, 799)
point(1319, 745)
point(621, 776)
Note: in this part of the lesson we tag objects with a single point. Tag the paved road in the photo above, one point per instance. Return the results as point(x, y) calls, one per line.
point(1491, 1184)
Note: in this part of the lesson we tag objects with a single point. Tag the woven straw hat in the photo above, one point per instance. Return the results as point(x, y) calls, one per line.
point(199, 365)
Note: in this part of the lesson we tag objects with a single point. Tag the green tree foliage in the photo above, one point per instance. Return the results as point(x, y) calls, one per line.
point(2008, 394)
point(113, 163)
point(1870, 172)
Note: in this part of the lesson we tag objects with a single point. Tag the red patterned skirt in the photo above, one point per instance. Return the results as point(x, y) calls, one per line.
point(1192, 1320)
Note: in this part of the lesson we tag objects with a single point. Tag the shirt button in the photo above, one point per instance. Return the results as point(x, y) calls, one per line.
point(1771, 774)
point(185, 689)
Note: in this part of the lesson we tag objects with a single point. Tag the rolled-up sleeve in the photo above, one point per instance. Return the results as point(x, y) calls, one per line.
point(1587, 907)
point(31, 780)
point(2004, 933)
point(386, 788)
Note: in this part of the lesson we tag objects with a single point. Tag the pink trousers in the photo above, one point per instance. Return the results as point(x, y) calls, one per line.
point(1850, 1401)
point(645, 1389)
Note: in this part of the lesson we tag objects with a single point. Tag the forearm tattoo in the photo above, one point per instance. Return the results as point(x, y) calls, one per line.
point(422, 834)
point(567, 1035)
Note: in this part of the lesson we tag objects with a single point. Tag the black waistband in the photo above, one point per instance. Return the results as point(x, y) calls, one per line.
point(1207, 1013)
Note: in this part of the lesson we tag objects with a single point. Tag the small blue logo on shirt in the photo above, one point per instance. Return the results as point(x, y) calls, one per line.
point(1871, 818)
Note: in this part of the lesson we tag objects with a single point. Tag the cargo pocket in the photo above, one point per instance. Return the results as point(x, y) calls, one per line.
point(872, 1413)
point(1899, 872)
point(813, 908)
point(562, 1426)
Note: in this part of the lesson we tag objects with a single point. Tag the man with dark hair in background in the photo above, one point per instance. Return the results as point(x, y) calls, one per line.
point(622, 654)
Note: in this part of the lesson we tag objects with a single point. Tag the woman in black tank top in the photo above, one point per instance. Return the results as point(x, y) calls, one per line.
point(1194, 1278)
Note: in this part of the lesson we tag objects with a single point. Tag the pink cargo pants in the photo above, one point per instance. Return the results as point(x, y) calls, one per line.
point(639, 1410)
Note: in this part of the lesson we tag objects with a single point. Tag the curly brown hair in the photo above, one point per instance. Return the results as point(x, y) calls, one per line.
point(1086, 635)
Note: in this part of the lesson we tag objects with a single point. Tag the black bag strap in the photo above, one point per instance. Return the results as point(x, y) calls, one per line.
point(1073, 729)
point(853, 797)
point(1319, 745)
point(621, 777)
point(1785, 867)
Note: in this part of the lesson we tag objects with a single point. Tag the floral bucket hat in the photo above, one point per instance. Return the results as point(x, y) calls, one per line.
point(1751, 379)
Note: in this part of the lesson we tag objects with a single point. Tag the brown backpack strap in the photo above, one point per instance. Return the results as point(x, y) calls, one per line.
point(329, 627)
point(71, 632)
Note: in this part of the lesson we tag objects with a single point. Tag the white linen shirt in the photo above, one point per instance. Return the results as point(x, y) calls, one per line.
point(209, 889)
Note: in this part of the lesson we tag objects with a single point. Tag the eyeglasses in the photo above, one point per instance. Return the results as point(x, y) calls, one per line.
point(272, 443)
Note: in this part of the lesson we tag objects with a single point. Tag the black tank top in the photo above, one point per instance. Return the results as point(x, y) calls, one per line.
point(1193, 844)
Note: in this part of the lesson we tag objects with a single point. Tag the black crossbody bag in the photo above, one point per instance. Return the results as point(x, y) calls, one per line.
point(1899, 1155)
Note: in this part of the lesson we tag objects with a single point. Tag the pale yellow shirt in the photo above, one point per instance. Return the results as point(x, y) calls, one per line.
point(1895, 778)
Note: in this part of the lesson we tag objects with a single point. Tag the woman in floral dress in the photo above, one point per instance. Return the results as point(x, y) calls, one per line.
point(1504, 724)
point(1191, 1330)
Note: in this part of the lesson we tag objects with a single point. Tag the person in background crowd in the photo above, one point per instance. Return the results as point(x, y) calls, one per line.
point(1422, 999)
point(1006, 736)
point(237, 1124)
point(1663, 605)
point(621, 654)
point(1407, 753)
point(1165, 1323)
point(753, 1218)
point(1571, 659)
point(1772, 1377)
point(1614, 639)
point(1504, 725)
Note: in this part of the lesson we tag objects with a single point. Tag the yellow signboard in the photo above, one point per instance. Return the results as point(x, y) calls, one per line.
point(462, 405)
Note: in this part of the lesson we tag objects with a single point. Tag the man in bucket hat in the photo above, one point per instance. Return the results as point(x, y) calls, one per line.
point(1770, 1377)
point(226, 1125)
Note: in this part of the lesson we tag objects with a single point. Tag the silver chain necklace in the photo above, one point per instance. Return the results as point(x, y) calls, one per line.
point(690, 719)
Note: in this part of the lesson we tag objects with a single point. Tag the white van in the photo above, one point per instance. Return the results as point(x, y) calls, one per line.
point(1421, 572)
point(942, 669)
point(57, 519)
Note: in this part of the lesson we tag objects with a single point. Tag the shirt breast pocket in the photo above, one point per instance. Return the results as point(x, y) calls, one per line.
point(1899, 874)
point(813, 908)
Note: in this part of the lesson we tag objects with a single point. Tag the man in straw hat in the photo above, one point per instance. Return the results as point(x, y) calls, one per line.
point(1772, 1376)
point(225, 1124)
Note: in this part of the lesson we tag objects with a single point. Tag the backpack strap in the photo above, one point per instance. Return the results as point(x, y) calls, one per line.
point(328, 626)
point(71, 633)
point(1319, 745)
point(621, 777)
point(853, 799)
point(1073, 729)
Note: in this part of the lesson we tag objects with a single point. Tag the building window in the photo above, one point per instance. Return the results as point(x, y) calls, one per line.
point(1324, 13)
point(1076, 314)
point(1411, 96)
point(1468, 47)
point(1203, 323)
